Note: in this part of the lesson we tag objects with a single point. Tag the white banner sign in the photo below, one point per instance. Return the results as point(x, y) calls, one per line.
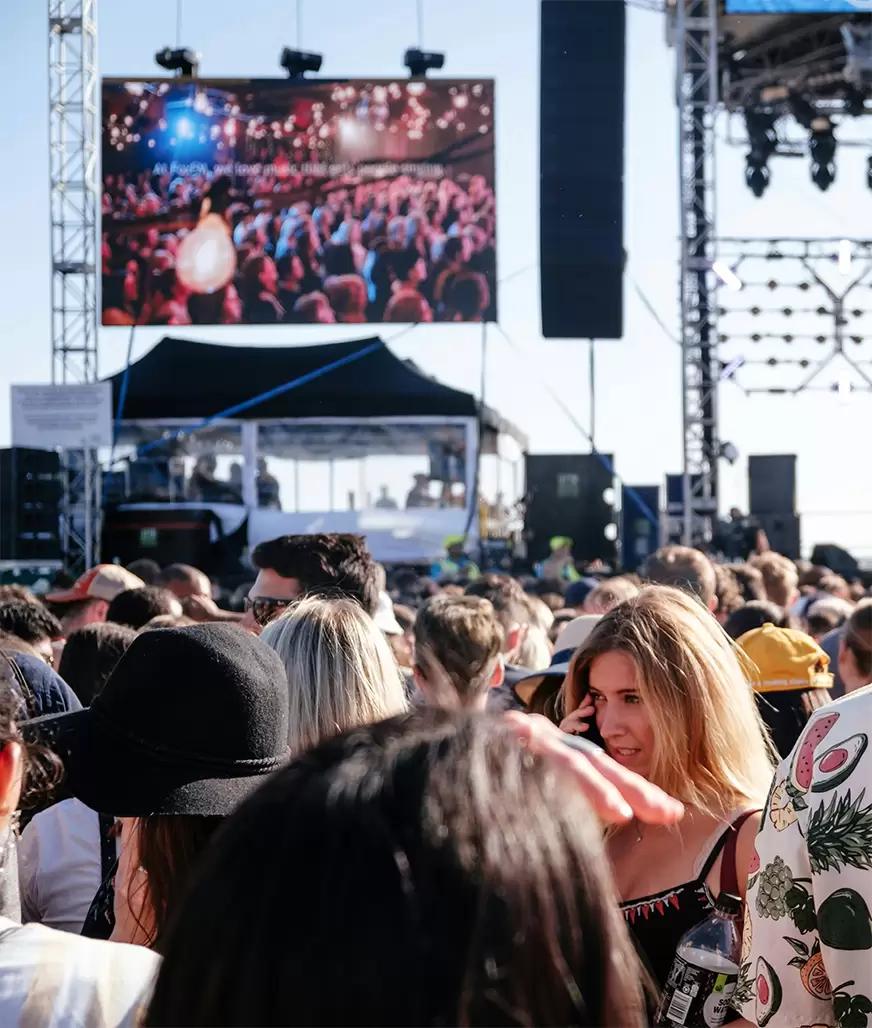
point(68, 417)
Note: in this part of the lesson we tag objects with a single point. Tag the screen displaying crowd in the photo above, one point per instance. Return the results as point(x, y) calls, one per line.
point(308, 202)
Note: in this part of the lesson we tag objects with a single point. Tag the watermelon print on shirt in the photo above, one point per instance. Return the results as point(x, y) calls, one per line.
point(807, 946)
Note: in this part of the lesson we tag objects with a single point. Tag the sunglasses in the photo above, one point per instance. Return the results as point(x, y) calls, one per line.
point(265, 608)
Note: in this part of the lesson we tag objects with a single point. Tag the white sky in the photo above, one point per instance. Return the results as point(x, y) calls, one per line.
point(638, 379)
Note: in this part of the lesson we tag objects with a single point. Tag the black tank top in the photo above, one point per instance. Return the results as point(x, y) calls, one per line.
point(658, 922)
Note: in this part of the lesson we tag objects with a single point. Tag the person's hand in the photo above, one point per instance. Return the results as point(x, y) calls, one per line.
point(616, 794)
point(204, 608)
point(577, 721)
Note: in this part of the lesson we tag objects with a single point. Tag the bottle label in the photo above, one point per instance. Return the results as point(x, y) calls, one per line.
point(696, 997)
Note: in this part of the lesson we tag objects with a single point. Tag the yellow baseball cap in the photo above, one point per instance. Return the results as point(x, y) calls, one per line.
point(785, 659)
point(560, 542)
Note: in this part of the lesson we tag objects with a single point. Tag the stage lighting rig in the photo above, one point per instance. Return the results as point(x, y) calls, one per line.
point(419, 62)
point(760, 125)
point(184, 61)
point(822, 148)
point(297, 62)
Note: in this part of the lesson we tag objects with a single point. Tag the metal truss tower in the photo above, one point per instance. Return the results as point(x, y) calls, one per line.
point(73, 139)
point(697, 98)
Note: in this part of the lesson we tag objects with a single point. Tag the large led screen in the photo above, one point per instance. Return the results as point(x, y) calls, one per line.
point(797, 6)
point(278, 202)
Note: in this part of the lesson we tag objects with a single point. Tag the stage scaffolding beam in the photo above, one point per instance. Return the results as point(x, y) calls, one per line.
point(74, 206)
point(697, 101)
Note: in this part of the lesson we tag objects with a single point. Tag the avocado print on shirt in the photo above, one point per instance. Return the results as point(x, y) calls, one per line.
point(838, 762)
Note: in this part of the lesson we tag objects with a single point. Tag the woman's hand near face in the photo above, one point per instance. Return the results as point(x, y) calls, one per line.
point(578, 721)
point(133, 919)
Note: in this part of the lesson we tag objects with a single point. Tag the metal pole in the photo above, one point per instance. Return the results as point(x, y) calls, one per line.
point(592, 386)
point(89, 514)
point(296, 486)
point(332, 483)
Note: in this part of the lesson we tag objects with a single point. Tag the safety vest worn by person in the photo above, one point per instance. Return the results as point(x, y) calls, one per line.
point(449, 568)
point(565, 572)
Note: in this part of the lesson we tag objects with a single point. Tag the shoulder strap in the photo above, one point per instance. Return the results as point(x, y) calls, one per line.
point(729, 874)
point(727, 843)
point(108, 852)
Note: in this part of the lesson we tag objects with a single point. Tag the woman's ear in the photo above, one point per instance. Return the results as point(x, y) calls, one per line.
point(11, 771)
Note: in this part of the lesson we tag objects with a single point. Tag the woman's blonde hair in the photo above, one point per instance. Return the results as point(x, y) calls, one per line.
point(341, 672)
point(711, 748)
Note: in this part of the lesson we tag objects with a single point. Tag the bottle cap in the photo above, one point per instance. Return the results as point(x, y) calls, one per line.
point(729, 904)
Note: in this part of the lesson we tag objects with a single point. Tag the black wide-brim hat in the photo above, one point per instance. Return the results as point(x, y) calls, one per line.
point(191, 721)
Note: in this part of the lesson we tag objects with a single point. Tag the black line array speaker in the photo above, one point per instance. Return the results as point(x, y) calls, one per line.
point(30, 496)
point(581, 168)
point(772, 484)
point(783, 532)
point(565, 496)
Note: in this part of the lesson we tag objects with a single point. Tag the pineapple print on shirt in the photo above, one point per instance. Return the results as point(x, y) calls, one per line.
point(808, 922)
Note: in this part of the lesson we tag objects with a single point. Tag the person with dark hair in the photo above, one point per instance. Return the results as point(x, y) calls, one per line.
point(467, 297)
point(49, 977)
point(505, 914)
point(136, 607)
point(33, 624)
point(755, 614)
point(258, 284)
point(184, 580)
point(727, 591)
point(749, 580)
point(855, 652)
point(290, 274)
point(190, 722)
point(321, 564)
point(90, 656)
point(146, 569)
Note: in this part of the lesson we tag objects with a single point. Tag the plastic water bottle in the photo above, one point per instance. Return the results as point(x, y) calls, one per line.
point(705, 970)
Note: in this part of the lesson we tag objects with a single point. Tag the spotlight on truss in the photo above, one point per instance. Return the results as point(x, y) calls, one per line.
point(763, 142)
point(419, 62)
point(184, 61)
point(297, 62)
point(726, 274)
point(822, 149)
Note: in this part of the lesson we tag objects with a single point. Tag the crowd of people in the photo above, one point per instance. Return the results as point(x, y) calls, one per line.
point(406, 250)
point(465, 799)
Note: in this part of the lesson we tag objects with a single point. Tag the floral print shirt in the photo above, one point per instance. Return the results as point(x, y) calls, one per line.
point(807, 947)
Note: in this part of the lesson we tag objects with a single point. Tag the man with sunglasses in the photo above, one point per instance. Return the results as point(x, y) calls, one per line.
point(321, 564)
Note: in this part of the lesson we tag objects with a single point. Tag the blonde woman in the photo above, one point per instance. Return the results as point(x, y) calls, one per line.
point(671, 701)
point(341, 672)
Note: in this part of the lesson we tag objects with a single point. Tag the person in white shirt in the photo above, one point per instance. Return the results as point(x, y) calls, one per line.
point(59, 865)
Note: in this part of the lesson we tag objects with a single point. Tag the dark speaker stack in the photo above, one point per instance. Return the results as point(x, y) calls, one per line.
point(772, 501)
point(30, 497)
point(565, 496)
point(581, 168)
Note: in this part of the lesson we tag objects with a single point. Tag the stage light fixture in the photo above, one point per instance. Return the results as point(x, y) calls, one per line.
point(822, 149)
point(419, 62)
point(726, 274)
point(763, 142)
point(184, 61)
point(297, 62)
point(729, 452)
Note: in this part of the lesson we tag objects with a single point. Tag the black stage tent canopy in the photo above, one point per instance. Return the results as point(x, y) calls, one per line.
point(182, 379)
